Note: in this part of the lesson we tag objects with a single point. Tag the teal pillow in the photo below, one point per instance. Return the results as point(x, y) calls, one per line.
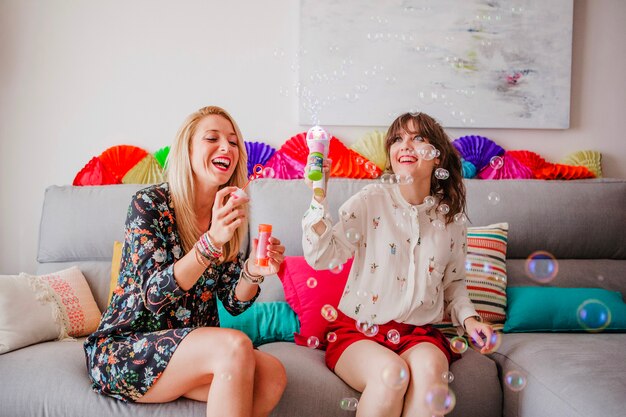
point(554, 309)
point(263, 322)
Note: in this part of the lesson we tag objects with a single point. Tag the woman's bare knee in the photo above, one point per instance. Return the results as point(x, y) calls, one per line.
point(270, 381)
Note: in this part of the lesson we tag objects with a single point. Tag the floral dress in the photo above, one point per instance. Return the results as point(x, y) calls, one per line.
point(149, 314)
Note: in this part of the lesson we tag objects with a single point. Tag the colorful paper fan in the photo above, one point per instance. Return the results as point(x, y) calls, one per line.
point(285, 167)
point(161, 155)
point(477, 149)
point(511, 169)
point(120, 159)
point(592, 160)
point(296, 148)
point(147, 171)
point(348, 163)
point(258, 153)
point(565, 172)
point(530, 159)
point(94, 173)
point(469, 170)
point(372, 146)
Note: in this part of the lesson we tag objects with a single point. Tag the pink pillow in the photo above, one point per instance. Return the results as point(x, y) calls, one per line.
point(306, 299)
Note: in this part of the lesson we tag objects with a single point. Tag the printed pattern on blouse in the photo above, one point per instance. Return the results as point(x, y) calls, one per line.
point(406, 267)
point(149, 314)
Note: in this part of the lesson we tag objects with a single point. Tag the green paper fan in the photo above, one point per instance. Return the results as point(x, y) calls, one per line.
point(147, 171)
point(161, 155)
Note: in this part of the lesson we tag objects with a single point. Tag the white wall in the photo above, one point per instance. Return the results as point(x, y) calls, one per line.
point(79, 77)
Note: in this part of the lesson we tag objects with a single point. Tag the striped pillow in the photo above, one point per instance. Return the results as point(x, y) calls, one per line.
point(485, 268)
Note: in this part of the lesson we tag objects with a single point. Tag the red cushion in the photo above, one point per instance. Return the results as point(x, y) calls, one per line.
point(308, 302)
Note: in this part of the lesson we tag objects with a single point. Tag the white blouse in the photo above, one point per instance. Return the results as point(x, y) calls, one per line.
point(408, 265)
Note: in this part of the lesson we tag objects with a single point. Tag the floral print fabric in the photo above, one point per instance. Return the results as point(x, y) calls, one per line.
point(149, 314)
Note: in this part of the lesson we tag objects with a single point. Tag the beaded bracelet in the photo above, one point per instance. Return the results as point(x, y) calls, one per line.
point(200, 258)
point(207, 248)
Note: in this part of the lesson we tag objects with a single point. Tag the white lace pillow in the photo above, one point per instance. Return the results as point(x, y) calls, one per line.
point(36, 309)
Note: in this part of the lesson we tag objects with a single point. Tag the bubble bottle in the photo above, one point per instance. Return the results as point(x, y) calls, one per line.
point(265, 231)
point(318, 143)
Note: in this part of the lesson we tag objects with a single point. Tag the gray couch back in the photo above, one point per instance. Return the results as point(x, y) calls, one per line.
point(582, 223)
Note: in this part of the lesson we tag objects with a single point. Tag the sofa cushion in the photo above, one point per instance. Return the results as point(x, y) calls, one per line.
point(567, 374)
point(57, 305)
point(552, 309)
point(263, 322)
point(307, 291)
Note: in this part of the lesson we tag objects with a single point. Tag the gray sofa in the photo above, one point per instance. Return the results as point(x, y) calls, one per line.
point(583, 223)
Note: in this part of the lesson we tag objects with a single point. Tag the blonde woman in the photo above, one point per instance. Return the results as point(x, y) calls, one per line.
point(160, 338)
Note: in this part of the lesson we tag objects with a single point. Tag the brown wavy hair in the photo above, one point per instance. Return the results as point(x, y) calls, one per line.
point(452, 190)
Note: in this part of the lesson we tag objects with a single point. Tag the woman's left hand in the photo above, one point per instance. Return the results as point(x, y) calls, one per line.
point(477, 330)
point(275, 252)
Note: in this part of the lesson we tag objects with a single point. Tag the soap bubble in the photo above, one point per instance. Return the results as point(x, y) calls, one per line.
point(335, 266)
point(515, 380)
point(496, 341)
point(268, 172)
point(541, 266)
point(458, 344)
point(329, 312)
point(447, 377)
point(225, 376)
point(388, 179)
point(331, 337)
point(442, 174)
point(353, 235)
point(460, 218)
point(493, 198)
point(311, 282)
point(593, 315)
point(429, 201)
point(404, 179)
point(440, 399)
point(428, 152)
point(496, 162)
point(367, 328)
point(443, 209)
point(439, 225)
point(313, 342)
point(393, 336)
point(395, 375)
point(349, 404)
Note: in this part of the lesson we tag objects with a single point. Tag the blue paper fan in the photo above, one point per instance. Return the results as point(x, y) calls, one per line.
point(258, 153)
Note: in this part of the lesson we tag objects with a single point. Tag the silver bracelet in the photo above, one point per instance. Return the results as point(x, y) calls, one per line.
point(253, 279)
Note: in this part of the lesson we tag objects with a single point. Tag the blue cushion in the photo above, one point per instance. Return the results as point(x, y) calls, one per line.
point(263, 322)
point(553, 309)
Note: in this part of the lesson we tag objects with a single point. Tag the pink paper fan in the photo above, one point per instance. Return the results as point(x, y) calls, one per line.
point(511, 169)
point(285, 167)
point(95, 173)
point(478, 150)
point(258, 153)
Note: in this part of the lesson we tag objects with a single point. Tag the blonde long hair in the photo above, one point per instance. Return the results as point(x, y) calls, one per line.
point(180, 178)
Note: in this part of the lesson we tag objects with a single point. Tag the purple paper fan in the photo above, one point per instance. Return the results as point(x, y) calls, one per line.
point(285, 167)
point(258, 153)
point(511, 169)
point(478, 150)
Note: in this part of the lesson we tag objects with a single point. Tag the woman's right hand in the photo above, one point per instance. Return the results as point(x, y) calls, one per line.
point(227, 216)
point(325, 167)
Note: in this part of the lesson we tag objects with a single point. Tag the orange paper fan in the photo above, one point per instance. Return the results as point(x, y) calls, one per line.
point(348, 163)
point(565, 172)
point(94, 173)
point(120, 159)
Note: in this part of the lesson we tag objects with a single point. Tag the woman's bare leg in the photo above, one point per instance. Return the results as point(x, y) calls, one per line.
point(361, 366)
point(427, 364)
point(220, 366)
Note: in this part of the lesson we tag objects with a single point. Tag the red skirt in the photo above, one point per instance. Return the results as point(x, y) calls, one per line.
point(347, 333)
